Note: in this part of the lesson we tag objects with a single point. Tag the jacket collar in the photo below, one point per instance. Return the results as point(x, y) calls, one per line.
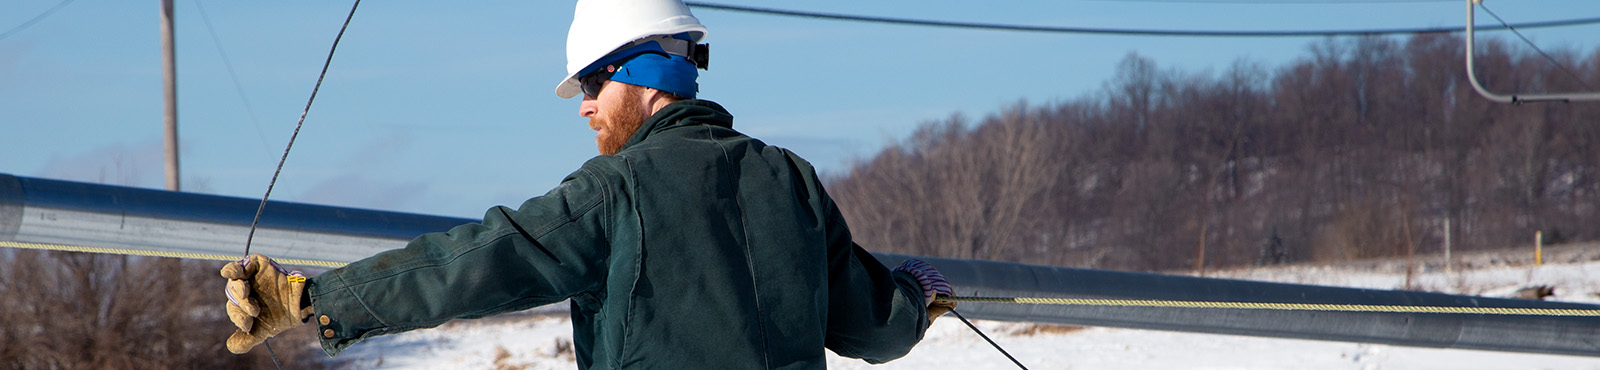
point(688, 112)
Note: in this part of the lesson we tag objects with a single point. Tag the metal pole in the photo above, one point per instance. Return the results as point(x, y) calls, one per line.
point(1472, 76)
point(169, 65)
point(1447, 261)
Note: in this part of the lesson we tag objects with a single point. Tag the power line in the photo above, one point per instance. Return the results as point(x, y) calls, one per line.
point(1536, 48)
point(35, 19)
point(235, 76)
point(1119, 31)
point(1284, 2)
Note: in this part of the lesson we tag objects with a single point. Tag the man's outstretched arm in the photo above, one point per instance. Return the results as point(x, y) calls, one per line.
point(550, 248)
point(874, 313)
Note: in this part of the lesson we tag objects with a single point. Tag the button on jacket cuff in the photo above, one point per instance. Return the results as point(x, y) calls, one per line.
point(340, 313)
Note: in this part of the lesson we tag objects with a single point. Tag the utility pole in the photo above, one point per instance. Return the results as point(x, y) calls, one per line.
point(169, 64)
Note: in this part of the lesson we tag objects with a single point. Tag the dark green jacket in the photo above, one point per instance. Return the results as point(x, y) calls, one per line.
point(695, 247)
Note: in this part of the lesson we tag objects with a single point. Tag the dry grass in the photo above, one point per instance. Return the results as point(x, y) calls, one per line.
point(62, 310)
point(560, 348)
point(502, 359)
point(1029, 330)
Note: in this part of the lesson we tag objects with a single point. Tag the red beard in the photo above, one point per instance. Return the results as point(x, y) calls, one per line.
point(619, 123)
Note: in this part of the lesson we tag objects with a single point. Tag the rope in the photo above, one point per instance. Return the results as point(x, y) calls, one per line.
point(1288, 306)
point(1256, 306)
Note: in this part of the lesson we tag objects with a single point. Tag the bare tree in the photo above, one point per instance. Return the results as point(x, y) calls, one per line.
point(1359, 149)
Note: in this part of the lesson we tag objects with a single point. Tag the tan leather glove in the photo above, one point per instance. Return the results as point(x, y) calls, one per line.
point(263, 300)
point(942, 304)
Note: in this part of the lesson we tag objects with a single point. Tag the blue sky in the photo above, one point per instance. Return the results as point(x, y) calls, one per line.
point(448, 107)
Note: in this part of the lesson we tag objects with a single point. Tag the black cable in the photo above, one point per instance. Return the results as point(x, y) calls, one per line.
point(986, 337)
point(35, 19)
point(273, 356)
point(1117, 31)
point(285, 158)
point(1536, 48)
point(286, 149)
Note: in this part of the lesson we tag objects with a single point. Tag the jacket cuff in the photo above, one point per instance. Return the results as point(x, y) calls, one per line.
point(341, 318)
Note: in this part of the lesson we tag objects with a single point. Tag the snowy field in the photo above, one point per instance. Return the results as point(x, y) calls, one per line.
point(541, 340)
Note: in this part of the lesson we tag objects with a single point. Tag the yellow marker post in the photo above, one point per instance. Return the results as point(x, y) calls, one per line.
point(1538, 247)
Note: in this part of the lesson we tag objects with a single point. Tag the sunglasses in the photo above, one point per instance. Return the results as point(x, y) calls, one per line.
point(592, 83)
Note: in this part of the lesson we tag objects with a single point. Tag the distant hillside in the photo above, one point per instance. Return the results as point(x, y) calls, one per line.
point(1364, 147)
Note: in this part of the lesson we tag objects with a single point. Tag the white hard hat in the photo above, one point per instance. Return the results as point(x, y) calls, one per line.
point(602, 26)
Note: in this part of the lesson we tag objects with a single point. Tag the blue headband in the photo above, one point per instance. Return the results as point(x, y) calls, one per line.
point(670, 73)
point(648, 65)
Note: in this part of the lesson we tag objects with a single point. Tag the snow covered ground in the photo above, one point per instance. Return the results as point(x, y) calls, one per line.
point(541, 340)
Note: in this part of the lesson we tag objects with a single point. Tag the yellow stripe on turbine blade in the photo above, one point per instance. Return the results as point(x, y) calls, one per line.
point(1287, 306)
point(153, 253)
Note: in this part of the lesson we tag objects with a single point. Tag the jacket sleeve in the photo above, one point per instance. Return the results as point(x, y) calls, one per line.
point(551, 248)
point(874, 314)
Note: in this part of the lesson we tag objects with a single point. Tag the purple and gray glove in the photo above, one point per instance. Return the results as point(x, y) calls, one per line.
point(936, 292)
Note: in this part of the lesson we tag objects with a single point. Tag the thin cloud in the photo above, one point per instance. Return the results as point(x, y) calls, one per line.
point(139, 163)
point(354, 185)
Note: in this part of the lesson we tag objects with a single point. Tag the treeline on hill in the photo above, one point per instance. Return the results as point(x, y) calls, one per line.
point(1364, 147)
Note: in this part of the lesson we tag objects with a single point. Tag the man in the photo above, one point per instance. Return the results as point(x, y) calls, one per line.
point(684, 245)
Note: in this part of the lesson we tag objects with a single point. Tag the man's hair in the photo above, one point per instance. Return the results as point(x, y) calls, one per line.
point(672, 98)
